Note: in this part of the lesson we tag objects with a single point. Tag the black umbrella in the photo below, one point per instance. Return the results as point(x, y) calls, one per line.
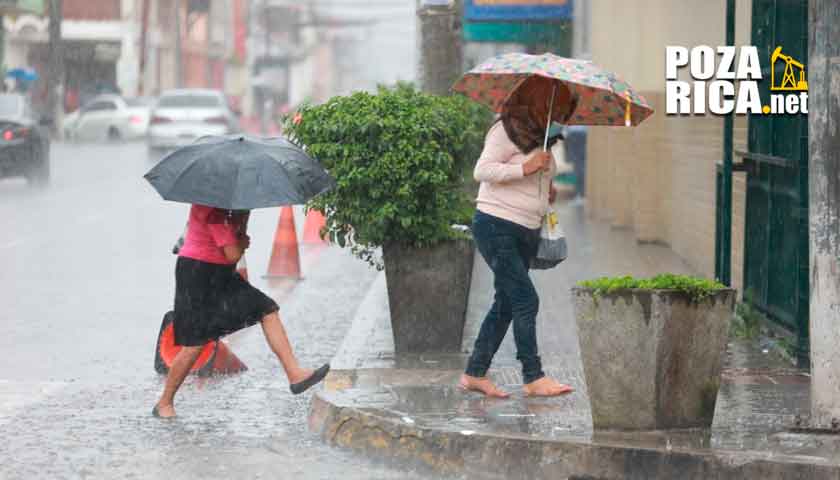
point(240, 173)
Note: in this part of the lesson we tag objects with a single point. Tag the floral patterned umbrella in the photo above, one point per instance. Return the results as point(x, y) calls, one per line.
point(602, 97)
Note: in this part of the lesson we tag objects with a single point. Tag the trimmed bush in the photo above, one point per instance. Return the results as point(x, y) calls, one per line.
point(402, 161)
point(696, 288)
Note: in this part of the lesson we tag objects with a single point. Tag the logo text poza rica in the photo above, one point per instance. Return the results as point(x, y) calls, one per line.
point(714, 88)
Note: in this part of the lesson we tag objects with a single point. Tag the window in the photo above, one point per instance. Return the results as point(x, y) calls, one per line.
point(190, 101)
point(100, 106)
point(139, 102)
point(89, 10)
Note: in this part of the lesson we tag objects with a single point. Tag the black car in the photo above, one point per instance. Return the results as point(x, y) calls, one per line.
point(24, 142)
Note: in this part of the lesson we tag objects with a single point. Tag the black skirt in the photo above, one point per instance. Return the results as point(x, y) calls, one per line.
point(212, 301)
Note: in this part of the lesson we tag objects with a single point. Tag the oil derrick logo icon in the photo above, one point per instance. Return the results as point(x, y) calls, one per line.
point(789, 82)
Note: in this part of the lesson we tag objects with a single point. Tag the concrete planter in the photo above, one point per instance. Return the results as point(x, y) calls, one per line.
point(652, 359)
point(428, 290)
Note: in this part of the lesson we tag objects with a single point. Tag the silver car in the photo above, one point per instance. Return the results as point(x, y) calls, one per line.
point(109, 117)
point(182, 116)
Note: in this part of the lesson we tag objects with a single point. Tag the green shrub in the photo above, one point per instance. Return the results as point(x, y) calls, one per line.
point(747, 320)
point(696, 288)
point(400, 159)
point(788, 348)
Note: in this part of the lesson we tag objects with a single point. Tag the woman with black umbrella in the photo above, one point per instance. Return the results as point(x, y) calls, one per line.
point(211, 299)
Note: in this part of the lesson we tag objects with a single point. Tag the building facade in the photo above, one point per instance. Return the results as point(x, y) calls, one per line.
point(658, 179)
point(98, 40)
point(664, 179)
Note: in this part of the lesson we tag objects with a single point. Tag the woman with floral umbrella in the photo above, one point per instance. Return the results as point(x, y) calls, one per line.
point(515, 171)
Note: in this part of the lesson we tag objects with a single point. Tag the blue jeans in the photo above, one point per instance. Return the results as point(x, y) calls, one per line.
point(507, 248)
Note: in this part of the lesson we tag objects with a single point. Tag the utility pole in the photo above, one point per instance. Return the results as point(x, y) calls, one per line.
point(2, 49)
point(725, 267)
point(55, 67)
point(179, 60)
point(441, 44)
point(267, 29)
point(144, 28)
point(824, 210)
point(263, 91)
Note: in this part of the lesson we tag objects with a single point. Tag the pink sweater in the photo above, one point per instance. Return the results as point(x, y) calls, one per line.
point(505, 191)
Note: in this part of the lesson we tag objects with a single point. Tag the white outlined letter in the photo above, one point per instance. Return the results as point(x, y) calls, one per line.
point(748, 66)
point(749, 100)
point(677, 97)
point(720, 97)
point(726, 70)
point(675, 57)
point(703, 62)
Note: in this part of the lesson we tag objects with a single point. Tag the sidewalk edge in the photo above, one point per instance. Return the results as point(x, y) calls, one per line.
point(373, 432)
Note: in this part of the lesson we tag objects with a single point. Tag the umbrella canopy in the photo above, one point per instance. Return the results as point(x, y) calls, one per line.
point(240, 173)
point(602, 97)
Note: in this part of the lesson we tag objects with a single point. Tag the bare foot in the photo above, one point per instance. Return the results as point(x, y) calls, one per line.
point(164, 411)
point(482, 385)
point(300, 375)
point(546, 387)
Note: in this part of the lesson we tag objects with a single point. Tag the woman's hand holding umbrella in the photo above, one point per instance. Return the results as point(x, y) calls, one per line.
point(538, 161)
point(245, 241)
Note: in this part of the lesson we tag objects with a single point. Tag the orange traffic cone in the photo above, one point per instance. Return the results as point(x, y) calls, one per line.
point(225, 362)
point(242, 268)
point(215, 357)
point(285, 258)
point(315, 221)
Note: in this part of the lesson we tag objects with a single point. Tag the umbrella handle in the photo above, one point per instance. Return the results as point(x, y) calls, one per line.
point(627, 121)
point(550, 111)
point(548, 127)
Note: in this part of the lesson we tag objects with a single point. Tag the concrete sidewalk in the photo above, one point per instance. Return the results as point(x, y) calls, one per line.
point(407, 407)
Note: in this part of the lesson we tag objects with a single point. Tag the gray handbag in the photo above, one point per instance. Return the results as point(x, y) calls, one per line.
point(552, 248)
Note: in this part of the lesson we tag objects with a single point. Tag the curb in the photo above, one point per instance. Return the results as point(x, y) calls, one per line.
point(387, 436)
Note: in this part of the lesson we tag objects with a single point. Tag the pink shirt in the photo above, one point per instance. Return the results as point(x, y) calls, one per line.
point(505, 191)
point(209, 231)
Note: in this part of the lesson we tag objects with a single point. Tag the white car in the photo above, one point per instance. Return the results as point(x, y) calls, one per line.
point(109, 117)
point(182, 116)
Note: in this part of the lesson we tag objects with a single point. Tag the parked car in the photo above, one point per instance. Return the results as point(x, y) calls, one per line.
point(182, 116)
point(24, 141)
point(109, 117)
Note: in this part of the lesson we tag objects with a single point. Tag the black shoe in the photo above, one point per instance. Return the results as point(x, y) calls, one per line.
point(300, 387)
point(156, 414)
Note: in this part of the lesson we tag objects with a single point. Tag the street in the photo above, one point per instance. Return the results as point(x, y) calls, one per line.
point(87, 275)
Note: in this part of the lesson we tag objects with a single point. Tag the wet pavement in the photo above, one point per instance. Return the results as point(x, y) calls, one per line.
point(758, 403)
point(87, 275)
